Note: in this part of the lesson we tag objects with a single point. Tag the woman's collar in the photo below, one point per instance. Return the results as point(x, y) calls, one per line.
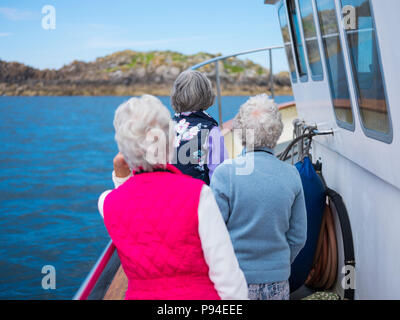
point(258, 149)
point(188, 113)
point(168, 168)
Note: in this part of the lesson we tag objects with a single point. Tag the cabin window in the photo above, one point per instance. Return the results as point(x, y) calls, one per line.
point(287, 42)
point(367, 72)
point(335, 63)
point(297, 41)
point(311, 41)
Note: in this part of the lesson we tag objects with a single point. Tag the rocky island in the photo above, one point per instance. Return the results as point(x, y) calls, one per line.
point(129, 72)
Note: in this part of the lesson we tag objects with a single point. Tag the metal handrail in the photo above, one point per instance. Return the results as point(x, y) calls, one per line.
point(94, 274)
point(217, 76)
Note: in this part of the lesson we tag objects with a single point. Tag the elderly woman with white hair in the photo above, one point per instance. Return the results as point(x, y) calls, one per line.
point(262, 202)
point(169, 248)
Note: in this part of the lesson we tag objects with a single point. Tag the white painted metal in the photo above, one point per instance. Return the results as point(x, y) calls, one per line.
point(366, 172)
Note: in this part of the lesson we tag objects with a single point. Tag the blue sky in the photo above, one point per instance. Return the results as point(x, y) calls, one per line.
point(88, 29)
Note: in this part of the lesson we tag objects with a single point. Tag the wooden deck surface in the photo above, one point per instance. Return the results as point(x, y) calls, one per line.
point(118, 286)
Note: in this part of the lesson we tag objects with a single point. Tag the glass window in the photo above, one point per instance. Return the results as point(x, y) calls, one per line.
point(297, 42)
point(310, 35)
point(287, 42)
point(367, 69)
point(335, 63)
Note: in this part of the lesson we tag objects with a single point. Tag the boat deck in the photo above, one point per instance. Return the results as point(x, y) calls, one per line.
point(118, 286)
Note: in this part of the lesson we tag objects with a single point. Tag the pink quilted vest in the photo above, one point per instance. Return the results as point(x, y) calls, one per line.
point(153, 221)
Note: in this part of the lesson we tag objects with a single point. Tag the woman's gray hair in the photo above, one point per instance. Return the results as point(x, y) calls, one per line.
point(192, 91)
point(260, 122)
point(143, 132)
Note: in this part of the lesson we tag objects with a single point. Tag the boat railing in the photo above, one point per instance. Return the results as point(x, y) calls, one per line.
point(95, 273)
point(216, 61)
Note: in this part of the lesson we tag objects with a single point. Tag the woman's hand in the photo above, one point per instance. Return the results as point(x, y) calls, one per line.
point(121, 168)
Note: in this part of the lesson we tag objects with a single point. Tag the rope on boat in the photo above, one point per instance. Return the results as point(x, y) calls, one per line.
point(324, 271)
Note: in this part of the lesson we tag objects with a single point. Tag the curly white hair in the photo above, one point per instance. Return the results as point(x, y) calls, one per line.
point(140, 125)
point(260, 122)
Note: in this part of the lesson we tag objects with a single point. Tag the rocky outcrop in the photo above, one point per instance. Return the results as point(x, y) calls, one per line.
point(133, 73)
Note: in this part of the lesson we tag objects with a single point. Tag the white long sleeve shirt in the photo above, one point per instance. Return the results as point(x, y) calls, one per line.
point(224, 270)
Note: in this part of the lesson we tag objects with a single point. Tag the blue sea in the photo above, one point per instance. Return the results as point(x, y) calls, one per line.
point(56, 159)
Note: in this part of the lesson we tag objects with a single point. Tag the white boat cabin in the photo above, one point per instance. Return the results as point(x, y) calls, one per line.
point(345, 73)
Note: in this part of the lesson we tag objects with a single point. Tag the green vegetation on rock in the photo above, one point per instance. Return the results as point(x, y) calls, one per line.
point(132, 72)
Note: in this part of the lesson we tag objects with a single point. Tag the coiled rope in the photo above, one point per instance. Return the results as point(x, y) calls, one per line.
point(324, 271)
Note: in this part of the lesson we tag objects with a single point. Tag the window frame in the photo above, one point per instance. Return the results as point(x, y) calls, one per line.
point(342, 124)
point(317, 37)
point(296, 54)
point(283, 6)
point(370, 133)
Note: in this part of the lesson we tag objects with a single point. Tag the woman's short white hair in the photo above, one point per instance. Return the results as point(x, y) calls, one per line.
point(192, 91)
point(260, 122)
point(140, 125)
